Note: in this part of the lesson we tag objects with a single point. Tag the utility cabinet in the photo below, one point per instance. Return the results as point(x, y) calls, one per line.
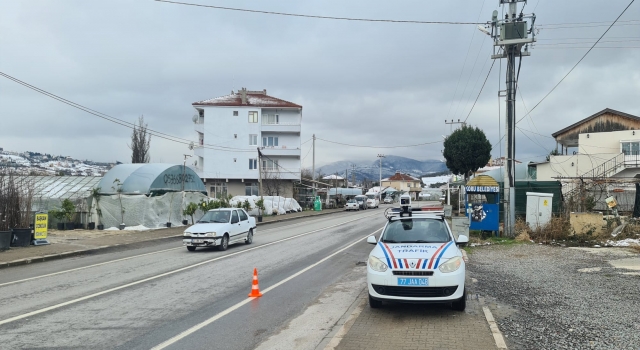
point(538, 209)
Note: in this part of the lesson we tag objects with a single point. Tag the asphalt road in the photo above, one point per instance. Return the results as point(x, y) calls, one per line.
point(162, 296)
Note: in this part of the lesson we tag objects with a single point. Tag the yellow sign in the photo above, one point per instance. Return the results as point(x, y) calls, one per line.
point(41, 226)
point(545, 203)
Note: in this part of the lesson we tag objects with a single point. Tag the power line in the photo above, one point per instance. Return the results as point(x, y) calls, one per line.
point(316, 16)
point(116, 120)
point(365, 146)
point(587, 47)
point(479, 92)
point(577, 63)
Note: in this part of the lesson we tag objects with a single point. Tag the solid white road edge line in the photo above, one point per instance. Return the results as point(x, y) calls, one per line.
point(57, 306)
point(267, 290)
point(130, 257)
point(495, 331)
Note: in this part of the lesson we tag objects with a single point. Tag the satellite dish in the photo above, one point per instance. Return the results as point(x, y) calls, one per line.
point(194, 118)
point(191, 146)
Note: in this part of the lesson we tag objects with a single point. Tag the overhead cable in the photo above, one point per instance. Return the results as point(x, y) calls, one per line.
point(368, 146)
point(316, 16)
point(577, 63)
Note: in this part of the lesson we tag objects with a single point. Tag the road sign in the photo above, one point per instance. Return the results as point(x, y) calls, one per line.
point(40, 229)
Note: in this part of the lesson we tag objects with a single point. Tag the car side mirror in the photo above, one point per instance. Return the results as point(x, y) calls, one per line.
point(462, 240)
point(372, 240)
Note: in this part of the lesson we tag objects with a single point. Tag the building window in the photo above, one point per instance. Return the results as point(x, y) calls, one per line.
point(253, 164)
point(253, 139)
point(253, 117)
point(270, 119)
point(269, 141)
point(631, 148)
point(235, 113)
point(251, 189)
point(269, 164)
point(218, 190)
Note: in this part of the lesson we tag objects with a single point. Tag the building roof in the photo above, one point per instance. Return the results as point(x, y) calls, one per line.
point(253, 99)
point(401, 177)
point(594, 116)
point(149, 178)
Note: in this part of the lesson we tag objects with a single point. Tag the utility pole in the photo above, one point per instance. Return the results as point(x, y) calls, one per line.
point(184, 173)
point(511, 34)
point(452, 122)
point(380, 156)
point(260, 173)
point(313, 168)
point(353, 174)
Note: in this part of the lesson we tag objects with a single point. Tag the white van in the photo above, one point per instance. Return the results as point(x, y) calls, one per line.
point(373, 200)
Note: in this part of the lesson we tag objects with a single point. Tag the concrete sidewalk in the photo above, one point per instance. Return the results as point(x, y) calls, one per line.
point(76, 242)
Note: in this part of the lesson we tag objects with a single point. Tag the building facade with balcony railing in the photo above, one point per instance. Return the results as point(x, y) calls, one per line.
point(230, 129)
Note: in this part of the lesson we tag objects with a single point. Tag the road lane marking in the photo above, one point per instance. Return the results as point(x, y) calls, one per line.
point(131, 257)
point(205, 323)
point(74, 301)
point(495, 331)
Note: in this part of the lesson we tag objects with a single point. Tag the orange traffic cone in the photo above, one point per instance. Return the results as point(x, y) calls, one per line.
point(255, 290)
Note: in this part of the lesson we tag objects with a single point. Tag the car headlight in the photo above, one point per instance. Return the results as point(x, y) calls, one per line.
point(451, 265)
point(187, 233)
point(210, 234)
point(377, 264)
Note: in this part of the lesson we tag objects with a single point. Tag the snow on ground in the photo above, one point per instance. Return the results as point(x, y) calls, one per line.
point(624, 243)
point(431, 180)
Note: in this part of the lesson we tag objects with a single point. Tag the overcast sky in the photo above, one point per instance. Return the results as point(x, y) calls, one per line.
point(360, 83)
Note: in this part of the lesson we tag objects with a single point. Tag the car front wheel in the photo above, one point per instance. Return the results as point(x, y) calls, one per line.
point(460, 304)
point(373, 303)
point(191, 248)
point(224, 243)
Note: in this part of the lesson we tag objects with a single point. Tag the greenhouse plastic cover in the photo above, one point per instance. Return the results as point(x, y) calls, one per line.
point(274, 205)
point(151, 177)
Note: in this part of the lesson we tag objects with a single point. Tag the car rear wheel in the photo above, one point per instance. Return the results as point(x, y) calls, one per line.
point(373, 303)
point(224, 243)
point(460, 304)
point(249, 237)
point(191, 248)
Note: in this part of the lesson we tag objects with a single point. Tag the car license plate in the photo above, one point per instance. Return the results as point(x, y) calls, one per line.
point(197, 241)
point(413, 282)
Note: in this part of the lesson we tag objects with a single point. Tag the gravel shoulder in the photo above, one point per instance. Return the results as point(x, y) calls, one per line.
point(547, 297)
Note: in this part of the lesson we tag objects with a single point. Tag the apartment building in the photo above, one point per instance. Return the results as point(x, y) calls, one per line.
point(230, 131)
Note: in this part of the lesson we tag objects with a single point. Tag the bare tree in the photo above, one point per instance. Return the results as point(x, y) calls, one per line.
point(140, 142)
point(272, 184)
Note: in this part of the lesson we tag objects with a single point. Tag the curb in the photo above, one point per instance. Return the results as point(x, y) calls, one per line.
point(37, 259)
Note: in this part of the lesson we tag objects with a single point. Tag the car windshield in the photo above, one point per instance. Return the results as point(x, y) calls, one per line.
point(371, 196)
point(221, 216)
point(416, 230)
point(361, 198)
point(352, 201)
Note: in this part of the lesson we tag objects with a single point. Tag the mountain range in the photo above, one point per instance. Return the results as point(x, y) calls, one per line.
point(369, 170)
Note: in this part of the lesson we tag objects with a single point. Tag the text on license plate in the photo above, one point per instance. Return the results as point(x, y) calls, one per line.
point(413, 281)
point(197, 241)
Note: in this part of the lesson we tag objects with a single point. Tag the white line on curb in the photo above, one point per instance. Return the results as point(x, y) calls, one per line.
point(57, 306)
point(495, 331)
point(240, 304)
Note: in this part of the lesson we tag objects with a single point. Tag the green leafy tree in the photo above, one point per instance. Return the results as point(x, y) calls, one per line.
point(190, 210)
point(553, 153)
point(466, 150)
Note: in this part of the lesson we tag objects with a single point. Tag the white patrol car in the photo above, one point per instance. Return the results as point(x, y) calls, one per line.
point(416, 260)
point(220, 227)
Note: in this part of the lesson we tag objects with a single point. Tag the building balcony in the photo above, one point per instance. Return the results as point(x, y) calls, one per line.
point(281, 127)
point(280, 151)
point(199, 127)
point(281, 174)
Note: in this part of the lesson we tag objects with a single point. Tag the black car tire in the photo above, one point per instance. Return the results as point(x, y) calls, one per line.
point(249, 239)
point(224, 243)
point(460, 304)
point(191, 248)
point(373, 303)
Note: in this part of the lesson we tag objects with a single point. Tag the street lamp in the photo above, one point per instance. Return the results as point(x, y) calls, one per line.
point(380, 183)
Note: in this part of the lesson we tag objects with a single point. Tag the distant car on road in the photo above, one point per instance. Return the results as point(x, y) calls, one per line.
point(417, 260)
point(362, 201)
point(388, 200)
point(372, 200)
point(352, 204)
point(219, 228)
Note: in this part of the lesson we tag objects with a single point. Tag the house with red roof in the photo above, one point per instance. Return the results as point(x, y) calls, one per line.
point(241, 131)
point(405, 183)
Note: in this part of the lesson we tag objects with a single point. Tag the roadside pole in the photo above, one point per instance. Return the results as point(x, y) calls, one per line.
point(313, 168)
point(184, 173)
point(260, 173)
point(380, 183)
